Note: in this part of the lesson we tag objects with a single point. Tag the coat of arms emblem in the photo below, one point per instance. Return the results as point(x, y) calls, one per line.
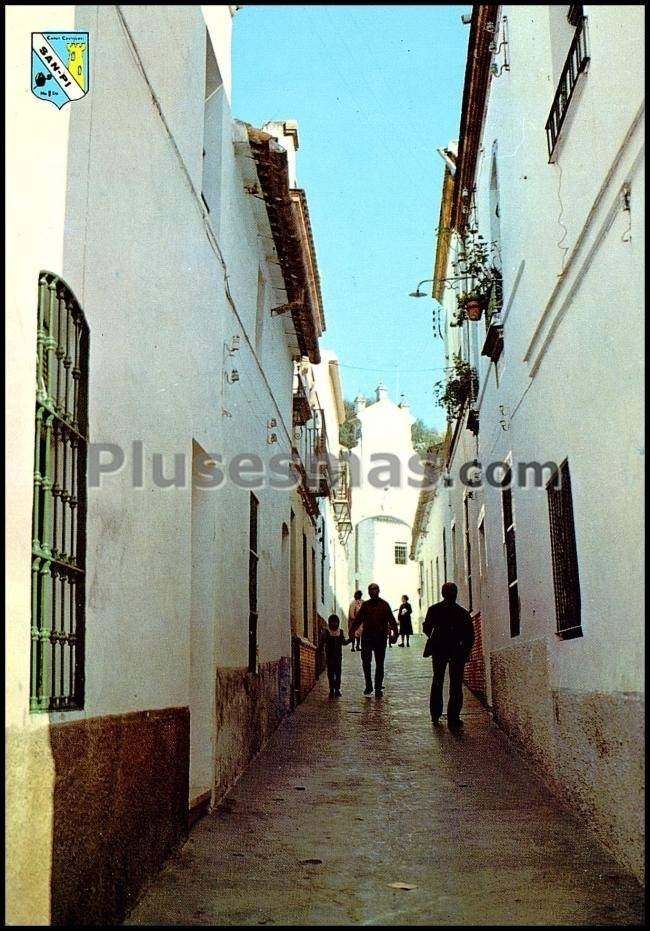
point(60, 69)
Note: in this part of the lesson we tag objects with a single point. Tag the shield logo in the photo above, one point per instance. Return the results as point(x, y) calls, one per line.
point(60, 71)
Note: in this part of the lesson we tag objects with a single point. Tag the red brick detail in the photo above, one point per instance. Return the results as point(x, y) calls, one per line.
point(307, 674)
point(475, 668)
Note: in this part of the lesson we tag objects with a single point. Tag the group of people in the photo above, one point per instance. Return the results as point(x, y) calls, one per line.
point(372, 628)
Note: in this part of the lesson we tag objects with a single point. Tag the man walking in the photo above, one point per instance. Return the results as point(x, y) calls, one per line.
point(451, 636)
point(377, 619)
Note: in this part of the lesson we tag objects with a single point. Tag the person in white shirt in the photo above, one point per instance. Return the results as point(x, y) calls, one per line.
point(353, 610)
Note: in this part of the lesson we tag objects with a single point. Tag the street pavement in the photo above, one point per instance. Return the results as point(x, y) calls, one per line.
point(354, 794)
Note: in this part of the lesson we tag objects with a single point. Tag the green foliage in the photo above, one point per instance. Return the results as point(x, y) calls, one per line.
point(424, 437)
point(459, 386)
point(347, 429)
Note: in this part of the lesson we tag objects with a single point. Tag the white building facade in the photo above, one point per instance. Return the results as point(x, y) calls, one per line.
point(550, 173)
point(171, 255)
point(384, 471)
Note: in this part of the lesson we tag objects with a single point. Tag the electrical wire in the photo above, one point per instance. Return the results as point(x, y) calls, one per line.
point(211, 237)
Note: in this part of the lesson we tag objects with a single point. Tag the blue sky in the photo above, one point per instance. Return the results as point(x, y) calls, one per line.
point(375, 89)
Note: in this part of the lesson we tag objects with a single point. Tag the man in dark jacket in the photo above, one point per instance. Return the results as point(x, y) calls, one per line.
point(451, 633)
point(377, 619)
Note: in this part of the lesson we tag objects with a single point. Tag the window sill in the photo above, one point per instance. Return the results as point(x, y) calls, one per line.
point(570, 633)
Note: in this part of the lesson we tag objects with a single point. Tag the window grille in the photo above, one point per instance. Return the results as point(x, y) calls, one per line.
point(511, 554)
point(444, 553)
point(400, 554)
point(59, 503)
point(454, 553)
point(468, 557)
point(305, 603)
point(564, 554)
point(576, 62)
point(253, 559)
point(313, 596)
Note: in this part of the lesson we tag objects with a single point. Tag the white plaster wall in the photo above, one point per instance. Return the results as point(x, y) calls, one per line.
point(35, 243)
point(337, 596)
point(145, 266)
point(376, 541)
point(570, 374)
point(385, 429)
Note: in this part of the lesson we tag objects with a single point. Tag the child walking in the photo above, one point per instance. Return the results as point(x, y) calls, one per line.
point(334, 640)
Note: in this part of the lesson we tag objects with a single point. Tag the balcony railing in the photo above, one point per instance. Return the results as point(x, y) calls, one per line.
point(576, 62)
point(301, 409)
point(311, 459)
point(342, 502)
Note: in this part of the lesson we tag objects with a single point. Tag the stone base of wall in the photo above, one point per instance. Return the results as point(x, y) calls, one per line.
point(112, 794)
point(249, 707)
point(588, 746)
point(475, 668)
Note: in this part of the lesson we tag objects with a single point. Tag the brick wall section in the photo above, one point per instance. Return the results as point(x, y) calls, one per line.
point(304, 667)
point(307, 669)
point(475, 668)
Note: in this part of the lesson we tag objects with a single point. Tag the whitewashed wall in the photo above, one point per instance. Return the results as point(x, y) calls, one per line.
point(145, 267)
point(571, 371)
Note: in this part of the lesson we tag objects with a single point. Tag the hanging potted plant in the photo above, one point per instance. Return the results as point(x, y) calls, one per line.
point(472, 304)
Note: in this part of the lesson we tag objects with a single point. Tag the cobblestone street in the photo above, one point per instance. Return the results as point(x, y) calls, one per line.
point(355, 794)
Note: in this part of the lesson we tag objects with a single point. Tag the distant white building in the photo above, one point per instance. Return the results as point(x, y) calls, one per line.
point(383, 501)
point(550, 172)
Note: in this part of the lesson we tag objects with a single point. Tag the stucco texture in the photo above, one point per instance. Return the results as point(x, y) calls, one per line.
point(588, 745)
point(116, 807)
point(249, 707)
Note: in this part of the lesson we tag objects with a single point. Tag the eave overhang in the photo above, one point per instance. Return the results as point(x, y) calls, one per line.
point(291, 237)
point(477, 79)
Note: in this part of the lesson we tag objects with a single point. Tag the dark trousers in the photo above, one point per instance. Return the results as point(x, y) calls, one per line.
point(455, 702)
point(334, 674)
point(376, 645)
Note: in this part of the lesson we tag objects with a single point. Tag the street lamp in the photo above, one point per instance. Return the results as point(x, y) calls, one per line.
point(417, 292)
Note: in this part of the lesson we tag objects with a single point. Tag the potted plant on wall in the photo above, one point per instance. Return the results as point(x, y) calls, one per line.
point(460, 386)
point(476, 264)
point(473, 303)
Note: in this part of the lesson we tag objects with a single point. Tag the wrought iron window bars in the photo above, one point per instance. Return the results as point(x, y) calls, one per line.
point(59, 502)
point(575, 64)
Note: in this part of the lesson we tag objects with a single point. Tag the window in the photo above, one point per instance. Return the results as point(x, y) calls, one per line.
point(444, 553)
point(313, 596)
point(511, 553)
point(253, 560)
point(436, 594)
point(468, 555)
point(322, 562)
point(59, 502)
point(305, 593)
point(564, 554)
point(570, 57)
point(212, 131)
point(400, 554)
point(482, 549)
point(259, 314)
point(454, 554)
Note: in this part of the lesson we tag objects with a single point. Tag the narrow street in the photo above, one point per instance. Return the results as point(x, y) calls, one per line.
point(352, 795)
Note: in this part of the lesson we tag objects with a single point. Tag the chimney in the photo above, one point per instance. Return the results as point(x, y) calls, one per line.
point(286, 132)
point(381, 391)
